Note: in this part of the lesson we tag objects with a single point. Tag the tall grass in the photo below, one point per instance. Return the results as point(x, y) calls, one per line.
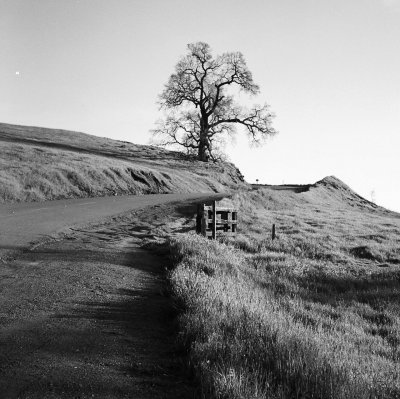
point(303, 316)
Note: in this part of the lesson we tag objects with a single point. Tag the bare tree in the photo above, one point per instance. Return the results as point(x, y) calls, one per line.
point(200, 112)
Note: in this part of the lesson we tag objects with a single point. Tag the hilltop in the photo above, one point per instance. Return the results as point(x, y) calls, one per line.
point(39, 164)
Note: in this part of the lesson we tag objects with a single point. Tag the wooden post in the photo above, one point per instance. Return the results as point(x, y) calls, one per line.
point(234, 225)
point(273, 232)
point(214, 220)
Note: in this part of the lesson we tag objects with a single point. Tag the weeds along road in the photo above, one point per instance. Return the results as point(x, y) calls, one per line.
point(22, 224)
point(87, 315)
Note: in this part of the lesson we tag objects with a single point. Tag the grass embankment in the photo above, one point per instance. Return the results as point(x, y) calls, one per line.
point(40, 164)
point(312, 314)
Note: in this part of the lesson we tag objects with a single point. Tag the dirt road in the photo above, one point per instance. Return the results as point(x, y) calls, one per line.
point(20, 224)
point(87, 315)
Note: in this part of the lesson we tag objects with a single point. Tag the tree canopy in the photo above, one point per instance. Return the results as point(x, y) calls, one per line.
point(199, 103)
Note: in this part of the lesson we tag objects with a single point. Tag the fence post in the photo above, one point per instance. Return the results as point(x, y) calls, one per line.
point(273, 232)
point(214, 220)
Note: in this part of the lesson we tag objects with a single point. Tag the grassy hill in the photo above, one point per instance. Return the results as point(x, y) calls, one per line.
point(314, 313)
point(39, 164)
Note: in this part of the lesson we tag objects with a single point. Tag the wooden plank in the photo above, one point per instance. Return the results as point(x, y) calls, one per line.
point(209, 208)
point(220, 226)
point(222, 221)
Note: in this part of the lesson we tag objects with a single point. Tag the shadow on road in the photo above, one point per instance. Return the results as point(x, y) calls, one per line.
point(81, 320)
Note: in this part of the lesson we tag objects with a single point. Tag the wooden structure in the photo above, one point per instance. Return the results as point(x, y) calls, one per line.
point(212, 221)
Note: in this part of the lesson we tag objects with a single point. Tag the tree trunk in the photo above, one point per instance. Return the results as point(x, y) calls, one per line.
point(202, 153)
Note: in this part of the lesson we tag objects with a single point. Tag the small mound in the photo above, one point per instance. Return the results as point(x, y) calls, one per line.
point(333, 182)
point(336, 190)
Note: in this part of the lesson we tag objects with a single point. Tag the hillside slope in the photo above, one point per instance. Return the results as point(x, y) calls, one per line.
point(41, 164)
point(314, 313)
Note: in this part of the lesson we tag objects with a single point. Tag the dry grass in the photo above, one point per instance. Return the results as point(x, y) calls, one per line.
point(41, 164)
point(312, 314)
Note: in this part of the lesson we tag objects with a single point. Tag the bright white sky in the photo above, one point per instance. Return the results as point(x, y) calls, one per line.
point(329, 69)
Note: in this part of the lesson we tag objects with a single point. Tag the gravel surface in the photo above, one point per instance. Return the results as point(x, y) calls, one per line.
point(87, 315)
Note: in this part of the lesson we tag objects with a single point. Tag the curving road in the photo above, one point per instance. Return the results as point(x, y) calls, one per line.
point(87, 316)
point(21, 224)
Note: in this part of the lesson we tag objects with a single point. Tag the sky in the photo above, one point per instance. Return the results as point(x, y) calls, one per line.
point(328, 69)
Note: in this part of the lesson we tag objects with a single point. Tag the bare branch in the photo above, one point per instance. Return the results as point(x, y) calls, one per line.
point(258, 122)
